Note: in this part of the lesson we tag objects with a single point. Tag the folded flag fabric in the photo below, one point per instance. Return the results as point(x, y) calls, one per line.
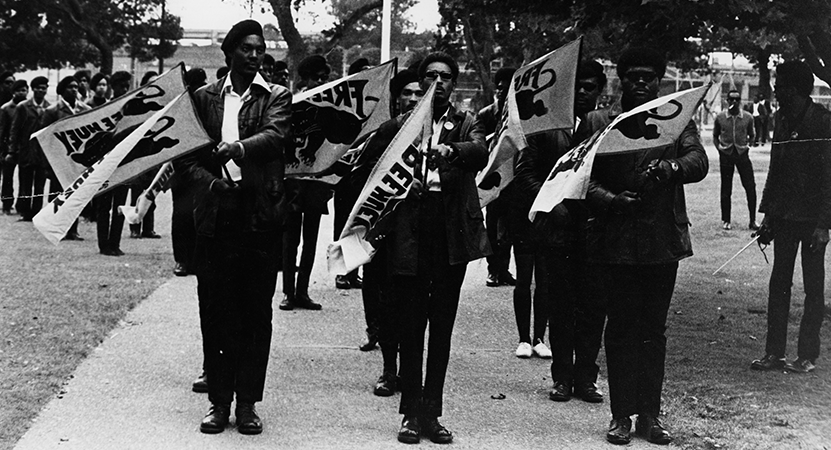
point(389, 180)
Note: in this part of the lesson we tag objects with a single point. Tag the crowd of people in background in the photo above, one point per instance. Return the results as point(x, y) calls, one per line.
point(627, 237)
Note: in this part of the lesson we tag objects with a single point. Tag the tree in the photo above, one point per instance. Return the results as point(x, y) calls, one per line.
point(352, 16)
point(76, 32)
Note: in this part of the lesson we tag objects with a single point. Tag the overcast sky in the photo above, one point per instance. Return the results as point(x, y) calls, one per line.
point(221, 15)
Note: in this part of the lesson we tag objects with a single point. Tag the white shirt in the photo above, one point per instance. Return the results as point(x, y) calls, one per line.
point(433, 178)
point(230, 118)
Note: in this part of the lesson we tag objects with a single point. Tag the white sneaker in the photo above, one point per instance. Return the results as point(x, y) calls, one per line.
point(524, 350)
point(542, 350)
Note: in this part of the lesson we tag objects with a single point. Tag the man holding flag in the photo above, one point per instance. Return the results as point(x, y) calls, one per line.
point(639, 233)
point(431, 235)
point(238, 213)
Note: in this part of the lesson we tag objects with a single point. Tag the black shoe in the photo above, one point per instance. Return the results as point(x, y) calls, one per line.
point(561, 392)
point(200, 384)
point(356, 282)
point(248, 422)
point(151, 235)
point(341, 282)
point(506, 279)
point(620, 431)
point(288, 303)
point(25, 219)
point(410, 431)
point(753, 226)
point(371, 343)
point(492, 281)
point(588, 392)
point(135, 234)
point(180, 270)
point(652, 430)
point(112, 252)
point(72, 237)
point(436, 432)
point(216, 420)
point(305, 302)
point(769, 362)
point(800, 365)
point(386, 385)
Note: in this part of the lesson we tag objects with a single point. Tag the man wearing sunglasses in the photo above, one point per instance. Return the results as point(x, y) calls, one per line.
point(732, 133)
point(638, 233)
point(433, 234)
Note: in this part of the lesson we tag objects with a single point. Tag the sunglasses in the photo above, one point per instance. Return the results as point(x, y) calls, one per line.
point(433, 74)
point(320, 77)
point(647, 77)
point(586, 86)
point(733, 99)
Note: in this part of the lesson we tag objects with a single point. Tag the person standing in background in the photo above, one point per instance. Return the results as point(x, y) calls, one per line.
point(20, 91)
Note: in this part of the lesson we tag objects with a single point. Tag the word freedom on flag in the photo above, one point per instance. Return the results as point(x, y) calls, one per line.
point(328, 119)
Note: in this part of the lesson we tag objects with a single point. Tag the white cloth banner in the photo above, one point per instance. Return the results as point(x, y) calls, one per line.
point(56, 219)
point(654, 124)
point(390, 179)
point(540, 98)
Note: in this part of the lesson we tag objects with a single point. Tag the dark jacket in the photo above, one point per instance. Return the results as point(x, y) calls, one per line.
point(658, 231)
point(465, 226)
point(58, 111)
point(561, 226)
point(24, 123)
point(798, 186)
point(264, 130)
point(6, 116)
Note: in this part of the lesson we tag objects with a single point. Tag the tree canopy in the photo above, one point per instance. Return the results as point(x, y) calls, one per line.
point(55, 33)
point(685, 30)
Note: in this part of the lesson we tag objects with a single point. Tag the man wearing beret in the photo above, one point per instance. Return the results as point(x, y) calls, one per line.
point(20, 90)
point(31, 162)
point(238, 189)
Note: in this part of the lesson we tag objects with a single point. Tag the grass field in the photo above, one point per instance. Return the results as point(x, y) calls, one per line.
point(58, 303)
point(717, 327)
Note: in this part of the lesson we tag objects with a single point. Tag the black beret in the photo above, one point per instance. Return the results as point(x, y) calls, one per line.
point(239, 32)
point(402, 79)
point(39, 81)
point(280, 65)
point(358, 65)
point(311, 65)
point(19, 84)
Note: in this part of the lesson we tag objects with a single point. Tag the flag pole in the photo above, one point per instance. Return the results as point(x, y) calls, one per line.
point(756, 238)
point(386, 20)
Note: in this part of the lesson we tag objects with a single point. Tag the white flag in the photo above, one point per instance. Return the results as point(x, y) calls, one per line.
point(54, 220)
point(540, 98)
point(654, 124)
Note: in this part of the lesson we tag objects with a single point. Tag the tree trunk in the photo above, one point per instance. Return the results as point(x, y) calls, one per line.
point(480, 52)
point(763, 57)
point(297, 46)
